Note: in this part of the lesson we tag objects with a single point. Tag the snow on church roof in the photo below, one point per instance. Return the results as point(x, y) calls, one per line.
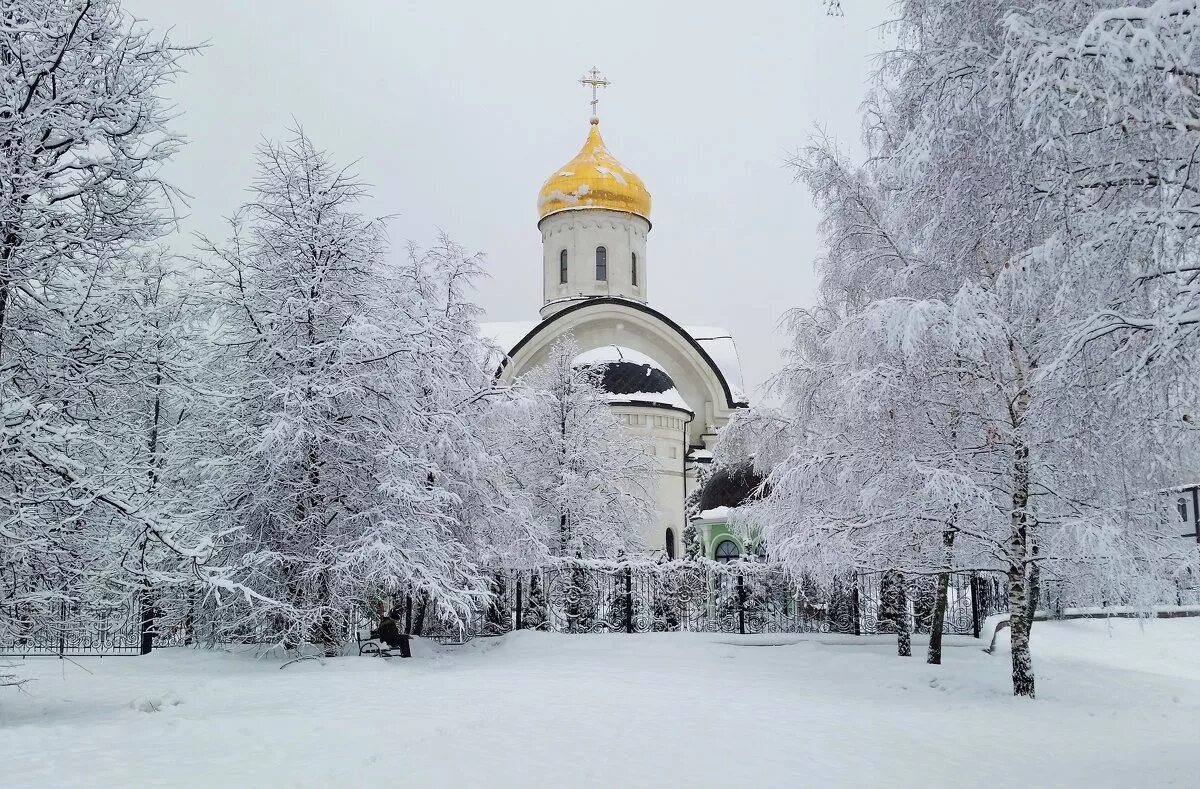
point(607, 354)
point(717, 343)
point(632, 377)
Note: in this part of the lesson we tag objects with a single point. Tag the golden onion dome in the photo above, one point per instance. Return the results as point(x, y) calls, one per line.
point(594, 179)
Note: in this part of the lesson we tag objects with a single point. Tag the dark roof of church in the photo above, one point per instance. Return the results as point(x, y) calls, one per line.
point(632, 378)
point(730, 486)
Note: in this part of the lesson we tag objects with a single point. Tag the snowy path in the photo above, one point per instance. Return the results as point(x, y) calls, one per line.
point(663, 710)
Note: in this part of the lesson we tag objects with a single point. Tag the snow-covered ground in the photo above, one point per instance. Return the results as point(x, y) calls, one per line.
point(1118, 706)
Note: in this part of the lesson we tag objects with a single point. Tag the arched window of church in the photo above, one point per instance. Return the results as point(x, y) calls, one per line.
point(670, 543)
point(562, 267)
point(601, 264)
point(633, 269)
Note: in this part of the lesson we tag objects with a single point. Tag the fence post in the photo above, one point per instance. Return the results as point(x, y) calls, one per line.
point(628, 599)
point(741, 604)
point(854, 605)
point(519, 623)
point(62, 628)
point(975, 604)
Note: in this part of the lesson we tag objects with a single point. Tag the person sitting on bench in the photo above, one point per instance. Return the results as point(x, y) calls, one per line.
point(388, 630)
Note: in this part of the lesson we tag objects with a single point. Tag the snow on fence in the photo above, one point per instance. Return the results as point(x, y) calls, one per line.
point(710, 597)
point(569, 597)
point(66, 629)
point(679, 596)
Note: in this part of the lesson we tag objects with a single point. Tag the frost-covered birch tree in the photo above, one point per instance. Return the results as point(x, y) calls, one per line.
point(1025, 204)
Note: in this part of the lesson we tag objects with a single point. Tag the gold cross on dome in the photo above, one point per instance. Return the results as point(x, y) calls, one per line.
point(594, 79)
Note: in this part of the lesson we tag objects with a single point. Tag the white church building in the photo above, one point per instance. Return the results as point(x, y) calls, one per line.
point(594, 217)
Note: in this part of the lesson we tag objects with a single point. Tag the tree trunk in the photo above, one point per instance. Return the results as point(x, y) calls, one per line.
point(1019, 612)
point(1019, 618)
point(1034, 592)
point(328, 632)
point(6, 283)
point(1018, 625)
point(418, 625)
point(903, 630)
point(4, 286)
point(895, 601)
point(328, 636)
point(938, 621)
point(934, 655)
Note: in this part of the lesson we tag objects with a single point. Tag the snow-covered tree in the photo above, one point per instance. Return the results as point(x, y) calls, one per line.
point(981, 340)
point(83, 132)
point(1109, 89)
point(350, 466)
point(691, 508)
point(586, 479)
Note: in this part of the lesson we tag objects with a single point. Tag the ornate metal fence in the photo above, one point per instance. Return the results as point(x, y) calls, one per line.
point(77, 630)
point(970, 598)
point(568, 598)
point(703, 597)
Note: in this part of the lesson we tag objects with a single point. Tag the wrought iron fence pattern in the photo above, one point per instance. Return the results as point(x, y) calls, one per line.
point(76, 630)
point(701, 597)
point(566, 598)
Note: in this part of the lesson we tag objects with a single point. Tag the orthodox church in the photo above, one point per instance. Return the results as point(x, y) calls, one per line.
point(677, 385)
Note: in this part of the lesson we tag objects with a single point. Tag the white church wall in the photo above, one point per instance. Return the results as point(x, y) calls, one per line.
point(664, 429)
point(580, 232)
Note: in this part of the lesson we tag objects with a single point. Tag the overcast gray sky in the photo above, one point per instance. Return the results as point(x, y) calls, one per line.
point(457, 111)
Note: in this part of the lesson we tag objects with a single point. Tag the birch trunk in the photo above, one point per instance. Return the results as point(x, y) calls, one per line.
point(1034, 589)
point(1022, 663)
point(1018, 590)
